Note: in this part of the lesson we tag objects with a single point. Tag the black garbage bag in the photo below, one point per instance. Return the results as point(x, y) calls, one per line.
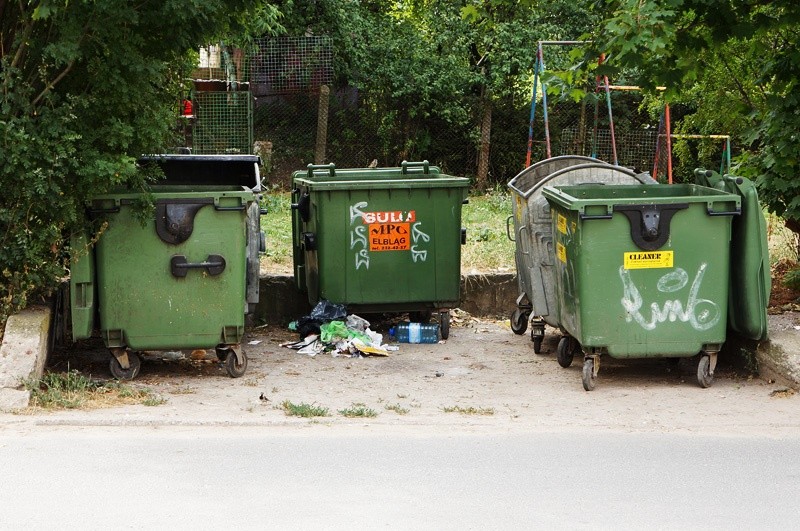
point(326, 311)
point(307, 326)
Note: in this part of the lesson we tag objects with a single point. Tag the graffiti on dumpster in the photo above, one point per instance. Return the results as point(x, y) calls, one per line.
point(385, 231)
point(417, 235)
point(358, 236)
point(701, 314)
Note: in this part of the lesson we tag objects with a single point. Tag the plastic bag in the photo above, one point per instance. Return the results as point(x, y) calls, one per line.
point(326, 311)
point(330, 332)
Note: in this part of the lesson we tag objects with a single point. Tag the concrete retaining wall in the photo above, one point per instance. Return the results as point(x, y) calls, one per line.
point(481, 295)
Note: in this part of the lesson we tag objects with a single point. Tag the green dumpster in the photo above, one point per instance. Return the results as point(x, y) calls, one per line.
point(379, 239)
point(642, 271)
point(181, 279)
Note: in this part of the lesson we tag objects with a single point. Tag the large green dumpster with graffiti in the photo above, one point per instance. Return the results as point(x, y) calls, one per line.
point(642, 271)
point(379, 239)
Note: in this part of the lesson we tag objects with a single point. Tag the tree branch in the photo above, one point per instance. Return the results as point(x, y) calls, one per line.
point(53, 83)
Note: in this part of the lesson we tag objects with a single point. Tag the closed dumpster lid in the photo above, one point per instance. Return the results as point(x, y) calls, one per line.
point(407, 175)
point(208, 170)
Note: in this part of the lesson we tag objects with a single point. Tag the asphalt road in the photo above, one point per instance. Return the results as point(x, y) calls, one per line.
point(351, 477)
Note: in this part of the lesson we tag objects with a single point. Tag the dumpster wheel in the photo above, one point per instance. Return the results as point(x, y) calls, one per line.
point(537, 335)
point(705, 373)
point(234, 359)
point(444, 323)
point(519, 321)
point(565, 352)
point(131, 359)
point(591, 364)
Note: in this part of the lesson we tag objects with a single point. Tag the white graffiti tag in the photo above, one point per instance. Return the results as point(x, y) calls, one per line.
point(418, 254)
point(356, 212)
point(701, 314)
point(359, 235)
point(418, 235)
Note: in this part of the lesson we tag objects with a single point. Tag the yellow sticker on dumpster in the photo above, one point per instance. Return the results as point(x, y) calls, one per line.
point(561, 252)
point(562, 224)
point(648, 259)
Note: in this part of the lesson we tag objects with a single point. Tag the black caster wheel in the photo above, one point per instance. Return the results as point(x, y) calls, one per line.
point(235, 369)
point(537, 336)
point(125, 374)
point(519, 321)
point(565, 352)
point(704, 375)
point(444, 324)
point(537, 344)
point(588, 374)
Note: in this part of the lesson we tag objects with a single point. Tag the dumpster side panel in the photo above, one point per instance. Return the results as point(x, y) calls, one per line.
point(82, 287)
point(143, 305)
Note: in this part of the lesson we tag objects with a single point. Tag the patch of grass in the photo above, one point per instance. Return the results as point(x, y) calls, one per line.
point(488, 247)
point(277, 227)
point(397, 408)
point(154, 400)
point(782, 242)
point(303, 410)
point(358, 410)
point(73, 390)
point(469, 410)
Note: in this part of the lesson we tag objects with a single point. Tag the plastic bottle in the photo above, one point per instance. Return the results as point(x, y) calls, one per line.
point(415, 333)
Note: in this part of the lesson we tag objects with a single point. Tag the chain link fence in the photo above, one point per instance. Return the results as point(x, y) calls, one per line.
point(295, 115)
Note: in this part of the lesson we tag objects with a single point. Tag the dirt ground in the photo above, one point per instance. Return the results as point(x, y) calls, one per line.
point(484, 377)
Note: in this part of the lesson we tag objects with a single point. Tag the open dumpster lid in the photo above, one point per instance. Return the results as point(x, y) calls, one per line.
point(208, 170)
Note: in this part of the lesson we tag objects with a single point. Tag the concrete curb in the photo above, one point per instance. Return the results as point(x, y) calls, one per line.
point(23, 354)
point(779, 358)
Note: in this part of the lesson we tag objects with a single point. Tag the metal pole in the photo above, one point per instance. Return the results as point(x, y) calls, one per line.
point(533, 105)
point(669, 143)
point(610, 115)
point(658, 146)
point(544, 108)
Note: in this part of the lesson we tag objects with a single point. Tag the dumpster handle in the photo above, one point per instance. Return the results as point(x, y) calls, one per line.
point(214, 265)
point(405, 165)
point(508, 228)
point(526, 229)
point(595, 216)
point(229, 209)
point(330, 167)
point(712, 212)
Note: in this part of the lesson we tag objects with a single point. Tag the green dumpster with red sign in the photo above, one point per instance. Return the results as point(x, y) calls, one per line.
point(379, 239)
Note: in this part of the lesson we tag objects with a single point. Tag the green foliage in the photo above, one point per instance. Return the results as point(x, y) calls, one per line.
point(792, 278)
point(736, 58)
point(303, 410)
point(358, 410)
point(85, 87)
